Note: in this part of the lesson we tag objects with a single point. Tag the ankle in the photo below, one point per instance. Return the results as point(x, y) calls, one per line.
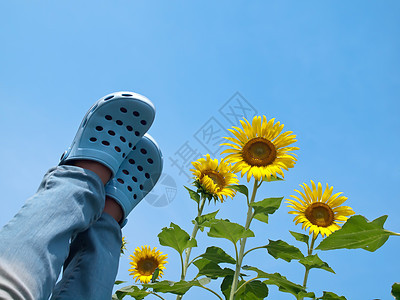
point(102, 171)
point(112, 208)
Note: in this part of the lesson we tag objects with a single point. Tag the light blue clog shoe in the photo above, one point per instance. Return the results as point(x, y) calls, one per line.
point(137, 175)
point(110, 129)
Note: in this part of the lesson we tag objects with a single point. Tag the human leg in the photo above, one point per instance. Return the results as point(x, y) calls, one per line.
point(34, 245)
point(91, 268)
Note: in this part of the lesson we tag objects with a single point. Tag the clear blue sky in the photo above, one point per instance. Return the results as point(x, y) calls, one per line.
point(329, 70)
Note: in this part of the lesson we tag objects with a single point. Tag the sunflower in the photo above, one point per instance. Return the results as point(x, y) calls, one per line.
point(215, 178)
point(145, 261)
point(123, 245)
point(261, 148)
point(320, 212)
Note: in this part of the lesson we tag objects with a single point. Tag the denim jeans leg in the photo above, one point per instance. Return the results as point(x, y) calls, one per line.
point(35, 243)
point(92, 265)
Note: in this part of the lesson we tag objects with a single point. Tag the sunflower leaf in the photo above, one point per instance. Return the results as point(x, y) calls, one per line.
point(265, 207)
point(193, 195)
point(211, 269)
point(300, 237)
point(313, 261)
point(132, 291)
point(331, 296)
point(251, 291)
point(281, 249)
point(217, 255)
point(205, 220)
point(273, 178)
point(240, 188)
point(396, 290)
point(281, 282)
point(229, 230)
point(117, 282)
point(357, 233)
point(176, 238)
point(177, 288)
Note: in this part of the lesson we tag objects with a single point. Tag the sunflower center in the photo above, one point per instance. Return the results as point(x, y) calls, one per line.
point(259, 152)
point(216, 178)
point(146, 266)
point(320, 214)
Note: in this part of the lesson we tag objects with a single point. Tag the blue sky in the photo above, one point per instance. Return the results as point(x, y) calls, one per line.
point(328, 70)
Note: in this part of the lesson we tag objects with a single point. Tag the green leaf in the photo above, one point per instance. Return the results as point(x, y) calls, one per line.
point(396, 290)
point(193, 195)
point(240, 188)
point(281, 249)
point(211, 269)
point(313, 261)
point(226, 286)
point(357, 233)
point(253, 290)
point(205, 220)
point(119, 282)
point(273, 178)
point(176, 238)
point(177, 288)
point(132, 291)
point(300, 237)
point(217, 255)
point(228, 230)
point(265, 207)
point(331, 296)
point(281, 282)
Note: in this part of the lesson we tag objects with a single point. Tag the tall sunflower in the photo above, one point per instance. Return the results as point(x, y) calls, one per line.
point(145, 261)
point(319, 211)
point(260, 149)
point(215, 178)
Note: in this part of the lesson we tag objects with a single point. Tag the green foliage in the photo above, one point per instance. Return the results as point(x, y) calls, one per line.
point(177, 288)
point(176, 238)
point(265, 207)
point(300, 237)
point(331, 296)
point(273, 178)
point(396, 290)
point(281, 282)
point(118, 282)
point(211, 269)
point(313, 261)
point(193, 195)
point(240, 188)
point(357, 233)
point(281, 249)
point(228, 230)
point(132, 291)
point(217, 255)
point(253, 290)
point(205, 220)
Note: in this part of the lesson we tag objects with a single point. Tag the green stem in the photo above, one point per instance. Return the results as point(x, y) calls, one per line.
point(310, 250)
point(185, 264)
point(156, 295)
point(210, 290)
point(248, 281)
point(243, 243)
point(253, 250)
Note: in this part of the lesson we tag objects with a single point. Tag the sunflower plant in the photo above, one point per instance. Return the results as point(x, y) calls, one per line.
point(261, 152)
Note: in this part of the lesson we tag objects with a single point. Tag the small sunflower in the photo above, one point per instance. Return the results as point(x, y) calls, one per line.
point(261, 149)
point(215, 178)
point(123, 245)
point(145, 261)
point(319, 211)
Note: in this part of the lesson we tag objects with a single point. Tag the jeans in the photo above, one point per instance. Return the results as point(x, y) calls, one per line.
point(61, 225)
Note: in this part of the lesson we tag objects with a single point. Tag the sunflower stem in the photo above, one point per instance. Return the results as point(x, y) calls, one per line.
point(210, 290)
point(185, 264)
point(248, 251)
point(310, 250)
point(244, 283)
point(156, 295)
point(243, 243)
